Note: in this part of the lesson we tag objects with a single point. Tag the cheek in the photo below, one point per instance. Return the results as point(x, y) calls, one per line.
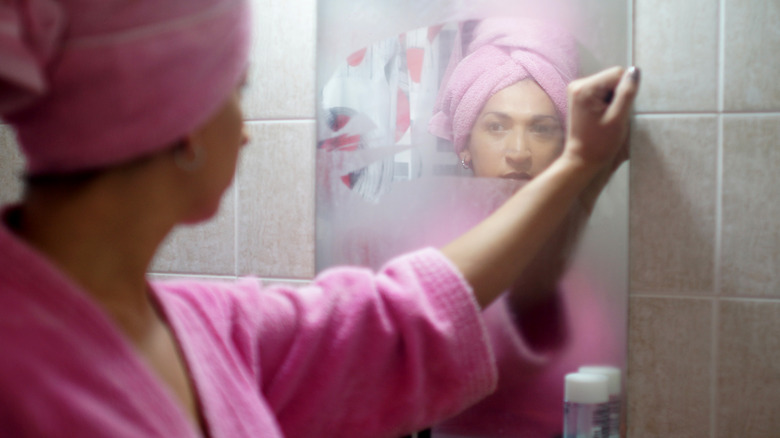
point(545, 155)
point(484, 145)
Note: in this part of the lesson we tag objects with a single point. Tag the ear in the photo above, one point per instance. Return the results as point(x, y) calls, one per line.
point(188, 155)
point(465, 156)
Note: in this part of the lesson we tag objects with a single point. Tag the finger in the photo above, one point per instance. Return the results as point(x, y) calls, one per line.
point(597, 88)
point(625, 92)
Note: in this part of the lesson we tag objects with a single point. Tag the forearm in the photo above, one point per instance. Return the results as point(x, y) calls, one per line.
point(493, 254)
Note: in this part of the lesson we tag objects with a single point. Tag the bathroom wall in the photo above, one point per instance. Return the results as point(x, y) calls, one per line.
point(266, 224)
point(704, 317)
point(704, 313)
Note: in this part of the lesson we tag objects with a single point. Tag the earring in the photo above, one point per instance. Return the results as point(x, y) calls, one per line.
point(464, 164)
point(191, 163)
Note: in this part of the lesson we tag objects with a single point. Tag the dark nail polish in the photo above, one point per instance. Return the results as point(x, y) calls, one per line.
point(609, 96)
point(634, 73)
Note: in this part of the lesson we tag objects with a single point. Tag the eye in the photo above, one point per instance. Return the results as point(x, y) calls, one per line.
point(546, 129)
point(496, 127)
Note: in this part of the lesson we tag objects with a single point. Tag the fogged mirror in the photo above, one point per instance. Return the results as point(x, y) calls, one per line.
point(432, 113)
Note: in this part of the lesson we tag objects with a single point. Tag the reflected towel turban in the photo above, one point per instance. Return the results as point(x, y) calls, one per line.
point(502, 52)
point(93, 83)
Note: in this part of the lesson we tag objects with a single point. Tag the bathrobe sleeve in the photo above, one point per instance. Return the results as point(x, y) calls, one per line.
point(359, 353)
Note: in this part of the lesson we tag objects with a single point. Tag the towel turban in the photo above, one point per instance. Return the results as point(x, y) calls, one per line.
point(93, 83)
point(502, 52)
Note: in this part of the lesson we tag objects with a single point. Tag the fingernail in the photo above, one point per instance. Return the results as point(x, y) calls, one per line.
point(634, 73)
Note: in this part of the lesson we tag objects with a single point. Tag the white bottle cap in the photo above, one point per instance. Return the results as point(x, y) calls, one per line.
point(586, 388)
point(612, 374)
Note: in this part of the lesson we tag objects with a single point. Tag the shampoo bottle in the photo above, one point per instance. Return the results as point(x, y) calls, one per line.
point(585, 406)
point(615, 395)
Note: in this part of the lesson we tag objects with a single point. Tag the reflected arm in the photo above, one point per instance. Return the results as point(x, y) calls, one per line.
point(493, 254)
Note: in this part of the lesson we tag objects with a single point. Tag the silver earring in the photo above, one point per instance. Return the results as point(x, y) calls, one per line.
point(463, 163)
point(189, 164)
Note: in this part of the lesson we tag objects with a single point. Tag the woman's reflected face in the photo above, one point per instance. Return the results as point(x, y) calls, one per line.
point(517, 134)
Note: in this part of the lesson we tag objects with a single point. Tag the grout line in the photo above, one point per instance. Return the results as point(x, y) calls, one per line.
point(184, 275)
point(717, 266)
point(750, 112)
point(717, 280)
point(676, 115)
point(672, 296)
point(313, 191)
point(627, 319)
point(714, 369)
point(630, 21)
point(281, 120)
point(721, 55)
point(272, 280)
point(236, 215)
point(705, 113)
point(762, 300)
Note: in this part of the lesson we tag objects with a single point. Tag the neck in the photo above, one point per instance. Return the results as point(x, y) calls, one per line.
point(103, 234)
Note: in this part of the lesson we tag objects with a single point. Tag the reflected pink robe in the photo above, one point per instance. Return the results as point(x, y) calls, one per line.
point(354, 354)
point(571, 329)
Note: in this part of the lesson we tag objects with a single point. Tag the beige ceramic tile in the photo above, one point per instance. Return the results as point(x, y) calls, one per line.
point(672, 204)
point(281, 76)
point(669, 377)
point(205, 249)
point(751, 61)
point(749, 369)
point(11, 166)
point(276, 201)
point(676, 45)
point(750, 260)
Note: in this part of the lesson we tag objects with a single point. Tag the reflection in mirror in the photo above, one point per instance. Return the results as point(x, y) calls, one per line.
point(423, 134)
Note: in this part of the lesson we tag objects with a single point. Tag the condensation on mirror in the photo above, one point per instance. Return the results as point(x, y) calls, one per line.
point(431, 114)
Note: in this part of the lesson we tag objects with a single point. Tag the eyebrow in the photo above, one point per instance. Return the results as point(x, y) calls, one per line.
point(535, 117)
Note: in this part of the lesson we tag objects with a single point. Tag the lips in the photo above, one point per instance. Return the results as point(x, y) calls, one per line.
point(519, 176)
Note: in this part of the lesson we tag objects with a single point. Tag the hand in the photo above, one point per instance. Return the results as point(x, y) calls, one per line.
point(599, 113)
point(492, 255)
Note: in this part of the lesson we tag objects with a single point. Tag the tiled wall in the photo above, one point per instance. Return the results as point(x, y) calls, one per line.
point(266, 224)
point(704, 323)
point(704, 315)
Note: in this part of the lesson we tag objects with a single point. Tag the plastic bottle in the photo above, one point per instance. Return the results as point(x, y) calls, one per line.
point(585, 406)
point(613, 376)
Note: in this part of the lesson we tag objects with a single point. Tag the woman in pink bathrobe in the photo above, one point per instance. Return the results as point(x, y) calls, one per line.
point(128, 116)
point(503, 106)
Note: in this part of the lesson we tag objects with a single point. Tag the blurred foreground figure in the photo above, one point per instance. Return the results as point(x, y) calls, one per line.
point(127, 112)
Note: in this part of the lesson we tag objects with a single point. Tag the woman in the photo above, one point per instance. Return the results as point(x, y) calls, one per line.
point(503, 107)
point(128, 115)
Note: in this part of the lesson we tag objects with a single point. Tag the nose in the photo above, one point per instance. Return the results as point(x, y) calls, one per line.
point(518, 154)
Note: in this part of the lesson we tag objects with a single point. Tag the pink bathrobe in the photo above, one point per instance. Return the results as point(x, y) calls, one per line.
point(355, 354)
point(571, 329)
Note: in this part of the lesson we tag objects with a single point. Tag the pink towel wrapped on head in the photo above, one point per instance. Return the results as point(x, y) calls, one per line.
point(89, 84)
point(502, 52)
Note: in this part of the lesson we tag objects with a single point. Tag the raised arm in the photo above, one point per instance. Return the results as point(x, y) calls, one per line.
point(493, 254)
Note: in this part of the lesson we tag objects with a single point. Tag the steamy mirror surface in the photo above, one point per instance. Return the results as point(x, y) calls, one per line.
point(430, 115)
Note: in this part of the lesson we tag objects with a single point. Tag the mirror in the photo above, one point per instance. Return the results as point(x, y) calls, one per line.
point(420, 105)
